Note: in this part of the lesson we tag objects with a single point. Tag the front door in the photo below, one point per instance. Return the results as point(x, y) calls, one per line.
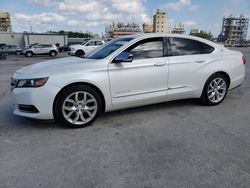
point(142, 80)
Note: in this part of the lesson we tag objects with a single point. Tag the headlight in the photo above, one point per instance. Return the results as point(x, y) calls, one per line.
point(37, 82)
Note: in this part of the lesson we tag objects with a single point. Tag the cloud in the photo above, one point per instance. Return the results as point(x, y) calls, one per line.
point(131, 7)
point(104, 11)
point(190, 23)
point(180, 4)
point(86, 14)
point(79, 6)
point(46, 3)
point(43, 18)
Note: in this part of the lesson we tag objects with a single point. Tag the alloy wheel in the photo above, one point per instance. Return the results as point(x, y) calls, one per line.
point(79, 108)
point(217, 90)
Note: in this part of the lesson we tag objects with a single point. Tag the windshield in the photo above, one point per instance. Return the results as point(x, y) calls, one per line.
point(108, 48)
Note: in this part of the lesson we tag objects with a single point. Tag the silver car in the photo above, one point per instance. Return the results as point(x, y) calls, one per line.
point(10, 49)
point(40, 49)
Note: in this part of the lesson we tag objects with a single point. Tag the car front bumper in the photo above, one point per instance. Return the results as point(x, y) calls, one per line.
point(41, 98)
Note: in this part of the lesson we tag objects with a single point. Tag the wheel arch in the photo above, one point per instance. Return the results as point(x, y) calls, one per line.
point(217, 72)
point(98, 90)
point(226, 75)
point(80, 50)
point(29, 51)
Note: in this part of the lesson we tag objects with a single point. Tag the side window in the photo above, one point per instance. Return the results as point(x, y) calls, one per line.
point(98, 43)
point(91, 43)
point(147, 48)
point(206, 49)
point(181, 46)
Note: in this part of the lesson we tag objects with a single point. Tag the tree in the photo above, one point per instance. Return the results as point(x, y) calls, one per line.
point(72, 34)
point(203, 34)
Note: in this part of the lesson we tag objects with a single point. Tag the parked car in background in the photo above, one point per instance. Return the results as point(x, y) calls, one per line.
point(63, 48)
point(2, 44)
point(10, 49)
point(40, 49)
point(80, 50)
point(126, 72)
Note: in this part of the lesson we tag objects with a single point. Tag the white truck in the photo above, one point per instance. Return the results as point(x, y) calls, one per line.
point(80, 50)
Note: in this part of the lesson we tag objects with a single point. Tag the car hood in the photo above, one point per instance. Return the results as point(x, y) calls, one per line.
point(52, 67)
point(76, 46)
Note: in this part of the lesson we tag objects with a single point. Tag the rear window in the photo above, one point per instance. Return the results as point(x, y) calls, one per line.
point(206, 49)
point(182, 46)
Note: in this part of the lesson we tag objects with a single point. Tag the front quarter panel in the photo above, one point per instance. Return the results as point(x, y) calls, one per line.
point(97, 76)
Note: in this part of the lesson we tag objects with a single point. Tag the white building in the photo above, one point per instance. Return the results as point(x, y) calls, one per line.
point(25, 39)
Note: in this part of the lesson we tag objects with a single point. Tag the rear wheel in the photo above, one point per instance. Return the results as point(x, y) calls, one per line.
point(80, 53)
point(78, 106)
point(215, 90)
point(29, 54)
point(18, 52)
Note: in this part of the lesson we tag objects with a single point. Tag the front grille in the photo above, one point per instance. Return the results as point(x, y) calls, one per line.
point(28, 108)
point(13, 83)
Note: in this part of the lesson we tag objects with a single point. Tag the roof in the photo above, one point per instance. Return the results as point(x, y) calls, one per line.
point(149, 35)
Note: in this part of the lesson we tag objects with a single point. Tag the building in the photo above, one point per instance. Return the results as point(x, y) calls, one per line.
point(194, 32)
point(121, 29)
point(25, 39)
point(234, 30)
point(5, 22)
point(178, 29)
point(160, 22)
point(147, 28)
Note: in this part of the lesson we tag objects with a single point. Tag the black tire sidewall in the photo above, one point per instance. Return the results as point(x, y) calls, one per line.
point(204, 98)
point(80, 53)
point(51, 52)
point(65, 93)
point(29, 53)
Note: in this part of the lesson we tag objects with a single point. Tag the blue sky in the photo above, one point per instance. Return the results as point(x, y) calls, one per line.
point(94, 15)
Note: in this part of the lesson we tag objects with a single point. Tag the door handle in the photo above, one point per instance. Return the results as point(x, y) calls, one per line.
point(159, 64)
point(200, 61)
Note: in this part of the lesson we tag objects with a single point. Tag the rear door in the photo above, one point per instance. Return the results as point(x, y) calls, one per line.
point(187, 60)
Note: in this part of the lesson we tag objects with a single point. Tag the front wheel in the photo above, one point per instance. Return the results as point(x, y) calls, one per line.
point(78, 106)
point(80, 53)
point(29, 54)
point(215, 90)
point(52, 53)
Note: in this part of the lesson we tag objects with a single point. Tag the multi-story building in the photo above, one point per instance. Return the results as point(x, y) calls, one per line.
point(5, 22)
point(178, 29)
point(160, 22)
point(234, 30)
point(194, 31)
point(121, 29)
point(147, 28)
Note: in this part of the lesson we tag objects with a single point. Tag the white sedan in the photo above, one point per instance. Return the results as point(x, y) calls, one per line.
point(126, 72)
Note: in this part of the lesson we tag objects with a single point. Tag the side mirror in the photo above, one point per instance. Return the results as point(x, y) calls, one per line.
point(123, 57)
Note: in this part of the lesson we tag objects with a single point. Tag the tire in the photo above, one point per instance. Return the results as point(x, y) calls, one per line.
point(52, 53)
point(29, 54)
point(77, 113)
point(18, 52)
point(215, 90)
point(80, 53)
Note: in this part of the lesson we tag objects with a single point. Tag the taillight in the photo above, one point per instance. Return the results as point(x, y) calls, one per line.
point(244, 59)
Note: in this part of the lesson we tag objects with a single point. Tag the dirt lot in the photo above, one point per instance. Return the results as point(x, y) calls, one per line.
point(174, 144)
